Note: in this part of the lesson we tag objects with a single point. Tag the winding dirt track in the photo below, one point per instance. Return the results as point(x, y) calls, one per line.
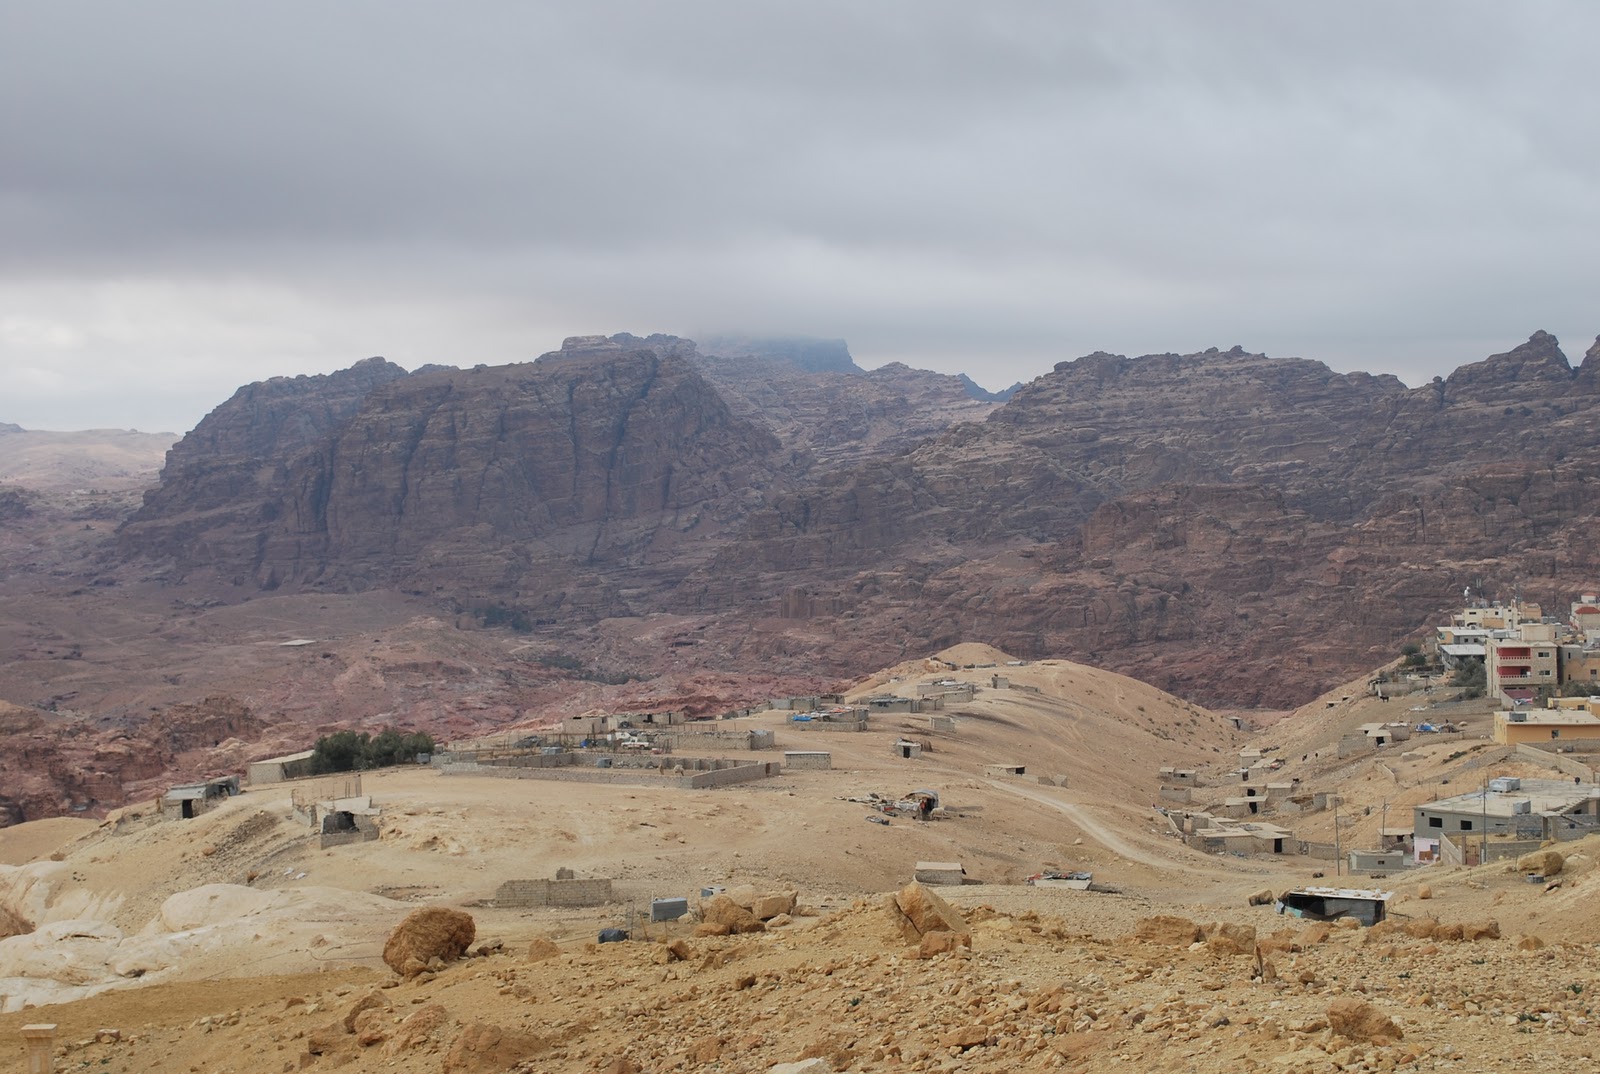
point(1099, 832)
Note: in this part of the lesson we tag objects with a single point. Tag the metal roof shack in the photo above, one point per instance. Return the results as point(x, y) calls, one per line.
point(1330, 904)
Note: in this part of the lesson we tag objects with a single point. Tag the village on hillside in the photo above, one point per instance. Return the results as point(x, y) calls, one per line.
point(1049, 815)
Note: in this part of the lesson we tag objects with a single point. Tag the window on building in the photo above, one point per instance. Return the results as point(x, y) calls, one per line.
point(1466, 826)
point(1436, 822)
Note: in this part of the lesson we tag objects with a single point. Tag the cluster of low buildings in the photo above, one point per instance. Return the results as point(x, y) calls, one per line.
point(1525, 653)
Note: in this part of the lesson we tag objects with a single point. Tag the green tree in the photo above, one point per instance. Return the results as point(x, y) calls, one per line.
point(344, 751)
point(338, 752)
point(1473, 679)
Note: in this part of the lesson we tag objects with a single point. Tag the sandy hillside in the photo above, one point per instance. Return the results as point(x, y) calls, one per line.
point(232, 941)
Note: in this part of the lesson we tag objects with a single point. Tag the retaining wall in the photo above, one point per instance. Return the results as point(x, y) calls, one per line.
point(697, 773)
point(1572, 766)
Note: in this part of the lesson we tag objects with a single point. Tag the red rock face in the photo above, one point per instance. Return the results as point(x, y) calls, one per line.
point(1236, 528)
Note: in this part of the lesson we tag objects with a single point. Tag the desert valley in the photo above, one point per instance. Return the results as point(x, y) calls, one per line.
point(1173, 713)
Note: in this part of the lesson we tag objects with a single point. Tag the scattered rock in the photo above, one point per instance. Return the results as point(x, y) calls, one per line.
point(1264, 897)
point(1425, 891)
point(1225, 938)
point(488, 1049)
point(1360, 1021)
point(721, 912)
point(939, 942)
point(1169, 930)
point(365, 1003)
point(804, 1066)
point(417, 1028)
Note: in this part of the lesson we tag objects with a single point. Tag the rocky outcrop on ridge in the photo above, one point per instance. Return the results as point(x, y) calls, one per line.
point(1229, 526)
point(511, 478)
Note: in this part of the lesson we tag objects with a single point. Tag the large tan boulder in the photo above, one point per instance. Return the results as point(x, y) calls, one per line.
point(433, 932)
point(766, 907)
point(1360, 1021)
point(1544, 862)
point(1488, 929)
point(744, 895)
point(721, 913)
point(1166, 929)
point(1226, 938)
point(917, 910)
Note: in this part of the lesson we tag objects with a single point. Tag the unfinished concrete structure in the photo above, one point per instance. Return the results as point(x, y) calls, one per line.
point(1330, 904)
point(1379, 862)
point(948, 873)
point(278, 769)
point(813, 760)
point(1220, 835)
point(949, 689)
point(997, 771)
point(191, 799)
point(563, 891)
point(691, 773)
point(906, 749)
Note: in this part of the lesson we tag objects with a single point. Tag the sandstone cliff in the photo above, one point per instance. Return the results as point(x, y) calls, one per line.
point(1236, 527)
point(512, 480)
point(1233, 527)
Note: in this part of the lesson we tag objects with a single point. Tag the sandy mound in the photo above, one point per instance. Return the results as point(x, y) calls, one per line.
point(973, 652)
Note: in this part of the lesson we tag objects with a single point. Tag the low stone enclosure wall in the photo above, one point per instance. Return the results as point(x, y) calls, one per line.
point(359, 834)
point(1572, 756)
point(523, 893)
point(685, 773)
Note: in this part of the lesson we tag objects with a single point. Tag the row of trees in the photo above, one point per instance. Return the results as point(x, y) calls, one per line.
point(344, 751)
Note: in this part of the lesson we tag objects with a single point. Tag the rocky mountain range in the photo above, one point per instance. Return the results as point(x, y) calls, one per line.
point(1237, 528)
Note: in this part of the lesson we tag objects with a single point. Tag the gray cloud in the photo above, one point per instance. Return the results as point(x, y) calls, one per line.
point(195, 194)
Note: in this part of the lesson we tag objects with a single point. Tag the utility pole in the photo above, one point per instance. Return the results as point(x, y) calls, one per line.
point(1483, 839)
point(1338, 854)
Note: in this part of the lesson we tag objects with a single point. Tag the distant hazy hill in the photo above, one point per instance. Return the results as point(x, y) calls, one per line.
point(53, 461)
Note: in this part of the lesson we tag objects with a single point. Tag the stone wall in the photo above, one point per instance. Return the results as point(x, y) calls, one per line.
point(724, 777)
point(1572, 766)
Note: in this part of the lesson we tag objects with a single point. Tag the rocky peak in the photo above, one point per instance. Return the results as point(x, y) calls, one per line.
point(582, 346)
point(235, 459)
point(1535, 369)
point(1587, 379)
point(802, 353)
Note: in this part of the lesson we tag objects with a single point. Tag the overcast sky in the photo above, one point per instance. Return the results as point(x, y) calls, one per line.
point(194, 195)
